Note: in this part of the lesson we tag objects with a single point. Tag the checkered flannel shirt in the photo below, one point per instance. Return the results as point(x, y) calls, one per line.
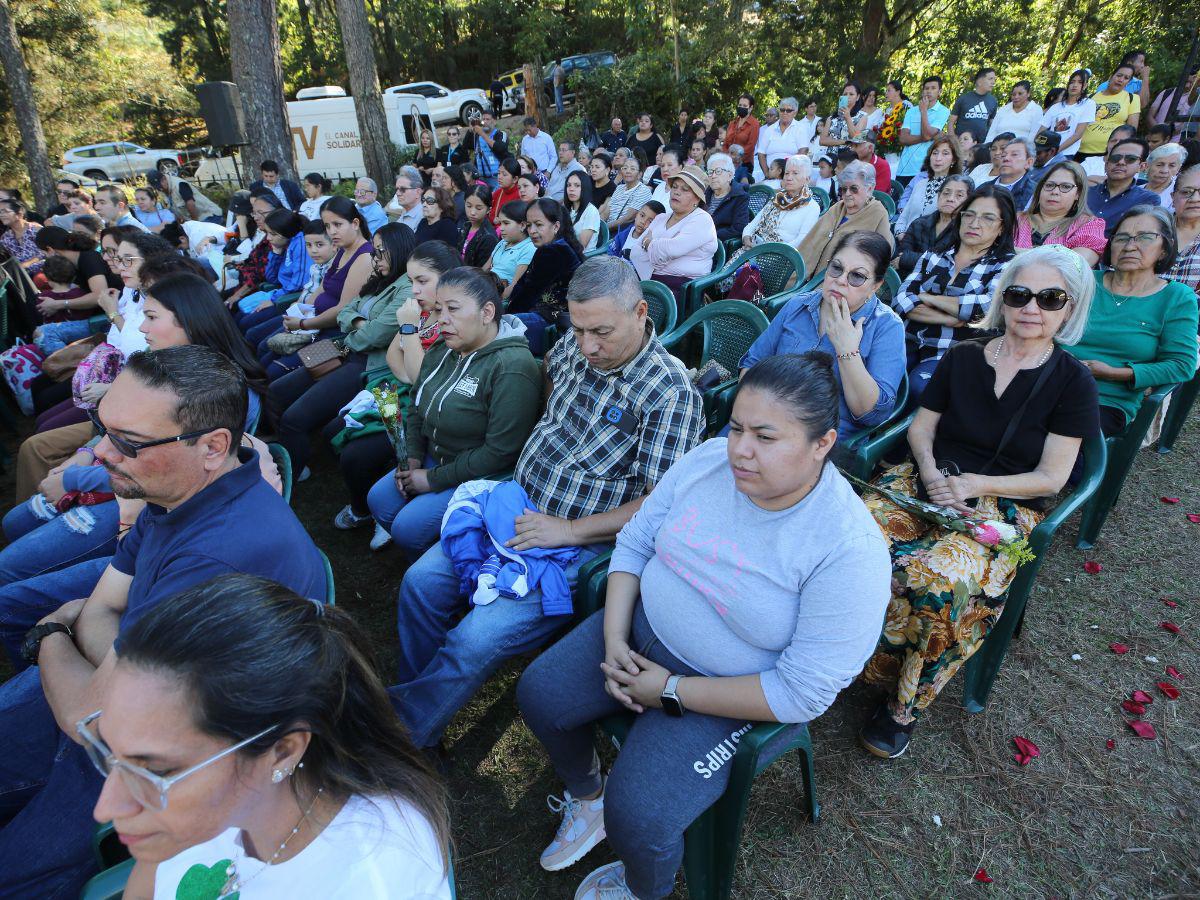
point(935, 274)
point(1187, 266)
point(577, 462)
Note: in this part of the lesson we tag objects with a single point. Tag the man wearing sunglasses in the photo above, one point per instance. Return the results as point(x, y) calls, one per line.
point(1117, 194)
point(171, 427)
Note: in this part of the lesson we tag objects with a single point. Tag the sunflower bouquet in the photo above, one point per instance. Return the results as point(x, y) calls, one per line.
point(889, 131)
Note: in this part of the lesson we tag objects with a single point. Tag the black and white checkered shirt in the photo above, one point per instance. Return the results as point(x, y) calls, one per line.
point(972, 287)
point(584, 456)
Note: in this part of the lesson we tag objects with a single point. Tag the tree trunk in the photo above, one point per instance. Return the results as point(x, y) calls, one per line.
point(210, 29)
point(306, 32)
point(364, 85)
point(29, 120)
point(254, 58)
point(533, 92)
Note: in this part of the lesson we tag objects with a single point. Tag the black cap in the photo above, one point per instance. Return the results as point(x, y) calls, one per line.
point(1047, 140)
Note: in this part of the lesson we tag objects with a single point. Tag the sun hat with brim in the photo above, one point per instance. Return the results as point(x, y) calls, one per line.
point(694, 178)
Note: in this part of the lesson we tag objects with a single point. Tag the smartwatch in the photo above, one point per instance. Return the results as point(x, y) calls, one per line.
point(35, 636)
point(409, 329)
point(671, 703)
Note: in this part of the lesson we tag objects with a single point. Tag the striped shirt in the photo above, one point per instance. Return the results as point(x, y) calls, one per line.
point(972, 287)
point(607, 437)
point(626, 197)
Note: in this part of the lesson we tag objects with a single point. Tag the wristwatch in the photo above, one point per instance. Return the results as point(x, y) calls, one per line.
point(409, 329)
point(35, 636)
point(671, 704)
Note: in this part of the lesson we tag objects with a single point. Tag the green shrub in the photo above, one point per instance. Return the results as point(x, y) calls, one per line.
point(570, 130)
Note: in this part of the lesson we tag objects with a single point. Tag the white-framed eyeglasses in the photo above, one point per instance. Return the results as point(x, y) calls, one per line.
point(146, 787)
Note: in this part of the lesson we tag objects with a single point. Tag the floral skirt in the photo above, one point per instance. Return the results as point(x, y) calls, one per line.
point(948, 590)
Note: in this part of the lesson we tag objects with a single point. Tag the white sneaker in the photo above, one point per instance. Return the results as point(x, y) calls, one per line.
point(305, 474)
point(581, 829)
point(605, 883)
point(381, 538)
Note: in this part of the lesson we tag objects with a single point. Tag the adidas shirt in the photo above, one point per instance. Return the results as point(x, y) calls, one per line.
point(974, 113)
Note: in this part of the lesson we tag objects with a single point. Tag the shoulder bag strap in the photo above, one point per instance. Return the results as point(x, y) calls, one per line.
point(1015, 420)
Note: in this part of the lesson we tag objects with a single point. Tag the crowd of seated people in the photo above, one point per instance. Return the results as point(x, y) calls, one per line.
point(479, 356)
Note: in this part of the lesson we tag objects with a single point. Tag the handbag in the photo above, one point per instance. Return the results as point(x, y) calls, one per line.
point(102, 366)
point(747, 285)
point(21, 363)
point(323, 357)
point(284, 343)
point(61, 364)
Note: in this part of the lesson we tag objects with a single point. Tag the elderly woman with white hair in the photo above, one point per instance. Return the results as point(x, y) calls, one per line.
point(779, 139)
point(857, 210)
point(995, 437)
point(727, 201)
point(1162, 167)
point(792, 212)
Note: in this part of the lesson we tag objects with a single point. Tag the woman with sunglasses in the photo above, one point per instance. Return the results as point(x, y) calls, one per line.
point(248, 748)
point(1059, 214)
point(437, 217)
point(1142, 330)
point(846, 319)
point(996, 435)
point(179, 309)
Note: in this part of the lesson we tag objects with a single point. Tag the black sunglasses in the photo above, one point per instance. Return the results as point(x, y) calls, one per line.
point(1048, 299)
point(130, 449)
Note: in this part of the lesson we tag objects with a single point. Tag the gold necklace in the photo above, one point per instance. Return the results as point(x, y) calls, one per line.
point(235, 884)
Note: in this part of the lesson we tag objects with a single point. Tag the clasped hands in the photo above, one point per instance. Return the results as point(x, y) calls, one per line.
point(629, 678)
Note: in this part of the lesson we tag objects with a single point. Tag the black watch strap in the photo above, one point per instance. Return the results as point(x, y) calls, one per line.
point(35, 636)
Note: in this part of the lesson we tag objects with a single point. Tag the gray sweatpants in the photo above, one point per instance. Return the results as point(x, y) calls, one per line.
point(669, 770)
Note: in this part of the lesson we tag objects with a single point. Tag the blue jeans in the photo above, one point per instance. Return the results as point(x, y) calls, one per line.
point(37, 545)
point(24, 603)
point(669, 770)
point(918, 378)
point(253, 319)
point(56, 335)
point(558, 99)
point(414, 523)
point(48, 788)
point(441, 667)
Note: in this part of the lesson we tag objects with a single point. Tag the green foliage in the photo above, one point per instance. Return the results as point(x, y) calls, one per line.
point(570, 130)
point(402, 156)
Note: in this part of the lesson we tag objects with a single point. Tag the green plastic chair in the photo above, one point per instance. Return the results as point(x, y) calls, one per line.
point(1177, 413)
point(732, 246)
point(109, 884)
point(711, 842)
point(664, 310)
point(330, 588)
point(758, 196)
point(890, 287)
point(283, 460)
point(980, 672)
point(822, 195)
point(888, 203)
point(779, 263)
point(286, 300)
point(1122, 450)
point(726, 329)
point(719, 256)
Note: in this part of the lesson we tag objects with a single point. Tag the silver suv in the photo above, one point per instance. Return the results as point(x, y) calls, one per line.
point(121, 161)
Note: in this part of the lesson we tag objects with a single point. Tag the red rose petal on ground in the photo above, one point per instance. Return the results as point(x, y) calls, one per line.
point(1170, 603)
point(1169, 626)
point(1142, 729)
point(1169, 499)
point(1169, 690)
point(1194, 518)
point(1093, 568)
point(1174, 673)
point(1133, 708)
point(1119, 649)
point(1027, 750)
point(1110, 744)
point(982, 876)
point(1141, 697)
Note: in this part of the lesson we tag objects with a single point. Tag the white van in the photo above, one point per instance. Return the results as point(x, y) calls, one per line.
point(325, 135)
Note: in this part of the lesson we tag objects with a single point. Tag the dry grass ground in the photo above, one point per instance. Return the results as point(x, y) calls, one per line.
point(1081, 821)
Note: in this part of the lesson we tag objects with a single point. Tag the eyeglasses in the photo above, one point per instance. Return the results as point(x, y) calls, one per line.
point(1187, 193)
point(1048, 299)
point(109, 254)
point(719, 171)
point(1059, 187)
point(855, 278)
point(130, 449)
point(1143, 238)
point(429, 200)
point(378, 253)
point(1124, 158)
point(146, 787)
point(406, 188)
point(125, 262)
point(784, 109)
point(985, 218)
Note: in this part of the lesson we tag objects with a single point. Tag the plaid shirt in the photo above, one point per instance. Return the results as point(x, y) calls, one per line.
point(578, 462)
point(1187, 266)
point(935, 274)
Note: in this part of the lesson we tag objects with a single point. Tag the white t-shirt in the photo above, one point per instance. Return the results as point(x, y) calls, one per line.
point(1025, 123)
point(1093, 167)
point(1064, 119)
point(589, 218)
point(128, 338)
point(311, 209)
point(982, 174)
point(374, 849)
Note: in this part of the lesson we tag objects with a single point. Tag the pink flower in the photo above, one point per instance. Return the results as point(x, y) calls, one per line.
point(986, 535)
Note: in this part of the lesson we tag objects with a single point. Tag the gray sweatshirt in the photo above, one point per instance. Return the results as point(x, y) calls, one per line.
point(796, 595)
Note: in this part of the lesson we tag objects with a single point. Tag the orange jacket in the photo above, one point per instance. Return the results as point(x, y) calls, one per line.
point(743, 132)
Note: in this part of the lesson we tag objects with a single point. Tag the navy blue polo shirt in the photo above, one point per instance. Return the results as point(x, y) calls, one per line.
point(1111, 208)
point(239, 523)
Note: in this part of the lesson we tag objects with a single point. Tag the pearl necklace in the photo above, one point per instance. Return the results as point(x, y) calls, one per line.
point(234, 884)
point(1040, 362)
